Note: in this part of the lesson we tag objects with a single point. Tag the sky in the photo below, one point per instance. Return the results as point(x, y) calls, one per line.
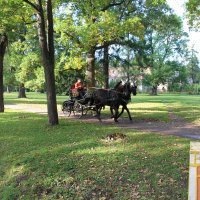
point(178, 7)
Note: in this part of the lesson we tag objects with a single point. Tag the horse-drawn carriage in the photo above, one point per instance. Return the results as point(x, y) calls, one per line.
point(79, 103)
point(95, 99)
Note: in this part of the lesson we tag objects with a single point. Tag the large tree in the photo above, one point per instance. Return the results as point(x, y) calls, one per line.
point(24, 59)
point(193, 15)
point(193, 67)
point(44, 18)
point(7, 29)
point(164, 41)
point(179, 76)
point(95, 25)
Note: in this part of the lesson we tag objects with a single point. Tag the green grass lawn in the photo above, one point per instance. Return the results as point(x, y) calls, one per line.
point(143, 107)
point(158, 107)
point(72, 161)
point(32, 98)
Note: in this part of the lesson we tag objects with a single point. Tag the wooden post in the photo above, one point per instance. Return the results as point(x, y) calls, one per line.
point(194, 172)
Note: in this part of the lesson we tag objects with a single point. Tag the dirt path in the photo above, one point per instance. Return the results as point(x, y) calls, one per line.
point(177, 126)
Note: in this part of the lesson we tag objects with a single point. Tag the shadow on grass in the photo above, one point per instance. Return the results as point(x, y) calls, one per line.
point(71, 161)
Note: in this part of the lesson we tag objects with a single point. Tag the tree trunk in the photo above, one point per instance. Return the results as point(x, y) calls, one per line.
point(9, 89)
point(47, 50)
point(106, 67)
point(90, 71)
point(1, 85)
point(154, 91)
point(22, 91)
point(3, 45)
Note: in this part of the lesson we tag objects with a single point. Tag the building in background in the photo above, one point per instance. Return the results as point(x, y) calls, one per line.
point(117, 74)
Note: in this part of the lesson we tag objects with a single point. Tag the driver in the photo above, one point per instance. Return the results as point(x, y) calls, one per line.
point(80, 88)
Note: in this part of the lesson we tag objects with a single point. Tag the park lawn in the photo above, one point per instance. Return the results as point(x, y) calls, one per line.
point(32, 98)
point(143, 107)
point(187, 107)
point(157, 107)
point(73, 161)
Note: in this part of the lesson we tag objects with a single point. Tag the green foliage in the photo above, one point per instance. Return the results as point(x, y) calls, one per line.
point(14, 16)
point(178, 80)
point(193, 68)
point(158, 75)
point(24, 62)
point(8, 22)
point(192, 89)
point(92, 24)
point(26, 68)
point(164, 42)
point(9, 74)
point(66, 78)
point(173, 73)
point(193, 13)
point(37, 82)
point(74, 63)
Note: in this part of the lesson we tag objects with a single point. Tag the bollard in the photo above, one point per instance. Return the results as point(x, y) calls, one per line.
point(194, 171)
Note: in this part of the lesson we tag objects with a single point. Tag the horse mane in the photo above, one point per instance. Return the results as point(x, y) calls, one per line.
point(117, 85)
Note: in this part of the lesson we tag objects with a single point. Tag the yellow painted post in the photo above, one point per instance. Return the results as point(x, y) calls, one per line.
point(194, 172)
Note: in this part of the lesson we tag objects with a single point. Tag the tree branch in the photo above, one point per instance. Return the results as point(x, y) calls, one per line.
point(32, 5)
point(111, 5)
point(27, 23)
point(74, 37)
point(117, 42)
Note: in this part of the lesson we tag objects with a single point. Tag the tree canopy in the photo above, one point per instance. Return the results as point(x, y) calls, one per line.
point(193, 13)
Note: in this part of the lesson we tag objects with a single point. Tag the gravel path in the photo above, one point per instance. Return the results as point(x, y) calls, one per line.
point(177, 126)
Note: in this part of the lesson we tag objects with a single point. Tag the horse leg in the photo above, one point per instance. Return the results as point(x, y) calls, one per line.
point(129, 115)
point(121, 112)
point(116, 114)
point(98, 113)
point(111, 111)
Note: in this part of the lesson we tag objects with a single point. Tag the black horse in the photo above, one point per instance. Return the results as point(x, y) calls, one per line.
point(120, 95)
point(126, 98)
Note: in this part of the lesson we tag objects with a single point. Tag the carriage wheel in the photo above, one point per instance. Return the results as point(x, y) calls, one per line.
point(78, 109)
point(84, 110)
point(67, 109)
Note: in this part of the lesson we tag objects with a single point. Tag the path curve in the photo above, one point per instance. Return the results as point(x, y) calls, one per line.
point(177, 125)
